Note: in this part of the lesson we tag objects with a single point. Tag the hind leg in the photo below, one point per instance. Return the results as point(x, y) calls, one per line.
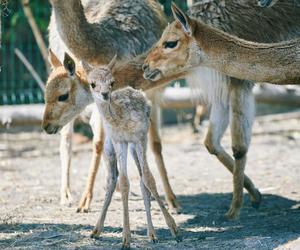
point(150, 183)
point(219, 120)
point(146, 196)
point(242, 115)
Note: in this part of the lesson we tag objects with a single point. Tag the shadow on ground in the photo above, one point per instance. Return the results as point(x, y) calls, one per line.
point(276, 222)
point(277, 219)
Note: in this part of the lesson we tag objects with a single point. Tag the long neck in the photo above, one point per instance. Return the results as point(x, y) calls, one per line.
point(108, 112)
point(277, 63)
point(80, 36)
point(130, 73)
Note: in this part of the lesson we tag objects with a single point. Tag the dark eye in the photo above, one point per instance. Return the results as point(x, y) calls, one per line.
point(93, 85)
point(63, 98)
point(170, 44)
point(112, 84)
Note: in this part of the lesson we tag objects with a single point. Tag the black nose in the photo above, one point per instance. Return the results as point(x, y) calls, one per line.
point(145, 66)
point(46, 126)
point(105, 95)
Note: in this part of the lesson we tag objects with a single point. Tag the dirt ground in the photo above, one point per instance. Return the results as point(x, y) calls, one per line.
point(31, 217)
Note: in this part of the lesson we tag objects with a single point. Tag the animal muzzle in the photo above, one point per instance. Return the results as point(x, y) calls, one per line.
point(150, 74)
point(50, 128)
point(105, 96)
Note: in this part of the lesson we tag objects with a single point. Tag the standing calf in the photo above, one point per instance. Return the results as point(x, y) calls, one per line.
point(126, 116)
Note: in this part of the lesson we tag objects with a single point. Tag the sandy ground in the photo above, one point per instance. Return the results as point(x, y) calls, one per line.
point(31, 217)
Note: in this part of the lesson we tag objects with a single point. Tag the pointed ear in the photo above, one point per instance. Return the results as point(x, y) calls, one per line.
point(69, 64)
point(112, 63)
point(86, 66)
point(182, 18)
point(53, 60)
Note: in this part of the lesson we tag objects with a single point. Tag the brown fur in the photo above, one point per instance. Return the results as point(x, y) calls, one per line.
point(206, 46)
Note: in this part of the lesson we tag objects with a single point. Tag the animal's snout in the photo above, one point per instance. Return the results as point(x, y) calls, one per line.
point(46, 126)
point(50, 128)
point(105, 95)
point(145, 66)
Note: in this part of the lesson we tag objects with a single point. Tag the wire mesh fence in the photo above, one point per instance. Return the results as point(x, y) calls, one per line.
point(17, 86)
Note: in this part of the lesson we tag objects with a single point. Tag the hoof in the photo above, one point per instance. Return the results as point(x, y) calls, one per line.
point(178, 238)
point(125, 246)
point(95, 234)
point(154, 240)
point(152, 237)
point(66, 198)
point(67, 202)
point(82, 210)
point(174, 207)
point(256, 204)
point(232, 215)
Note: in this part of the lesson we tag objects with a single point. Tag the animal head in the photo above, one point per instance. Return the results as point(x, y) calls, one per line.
point(66, 94)
point(175, 51)
point(266, 3)
point(101, 80)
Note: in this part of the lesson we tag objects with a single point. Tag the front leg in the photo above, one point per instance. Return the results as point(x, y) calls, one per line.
point(155, 142)
point(65, 151)
point(150, 183)
point(98, 141)
point(111, 181)
point(146, 196)
point(121, 151)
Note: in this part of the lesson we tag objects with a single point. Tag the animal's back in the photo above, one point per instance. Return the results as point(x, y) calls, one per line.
point(245, 19)
point(131, 26)
point(129, 116)
point(131, 102)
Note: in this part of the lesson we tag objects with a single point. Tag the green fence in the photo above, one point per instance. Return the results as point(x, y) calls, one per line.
point(17, 85)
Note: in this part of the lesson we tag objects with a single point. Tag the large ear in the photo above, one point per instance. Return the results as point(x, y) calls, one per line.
point(86, 66)
point(69, 64)
point(112, 63)
point(183, 19)
point(53, 60)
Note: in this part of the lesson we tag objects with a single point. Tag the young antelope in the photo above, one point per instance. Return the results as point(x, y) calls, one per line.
point(126, 115)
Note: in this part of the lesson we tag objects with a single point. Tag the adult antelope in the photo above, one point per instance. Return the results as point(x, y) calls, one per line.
point(187, 44)
point(94, 31)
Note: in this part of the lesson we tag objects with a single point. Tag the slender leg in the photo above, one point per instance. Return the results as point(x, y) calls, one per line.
point(65, 150)
point(242, 115)
point(155, 142)
point(98, 140)
point(121, 151)
point(219, 120)
point(200, 112)
point(149, 182)
point(112, 177)
point(146, 196)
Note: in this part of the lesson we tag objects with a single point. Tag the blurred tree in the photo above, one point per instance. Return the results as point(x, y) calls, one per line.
point(15, 24)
